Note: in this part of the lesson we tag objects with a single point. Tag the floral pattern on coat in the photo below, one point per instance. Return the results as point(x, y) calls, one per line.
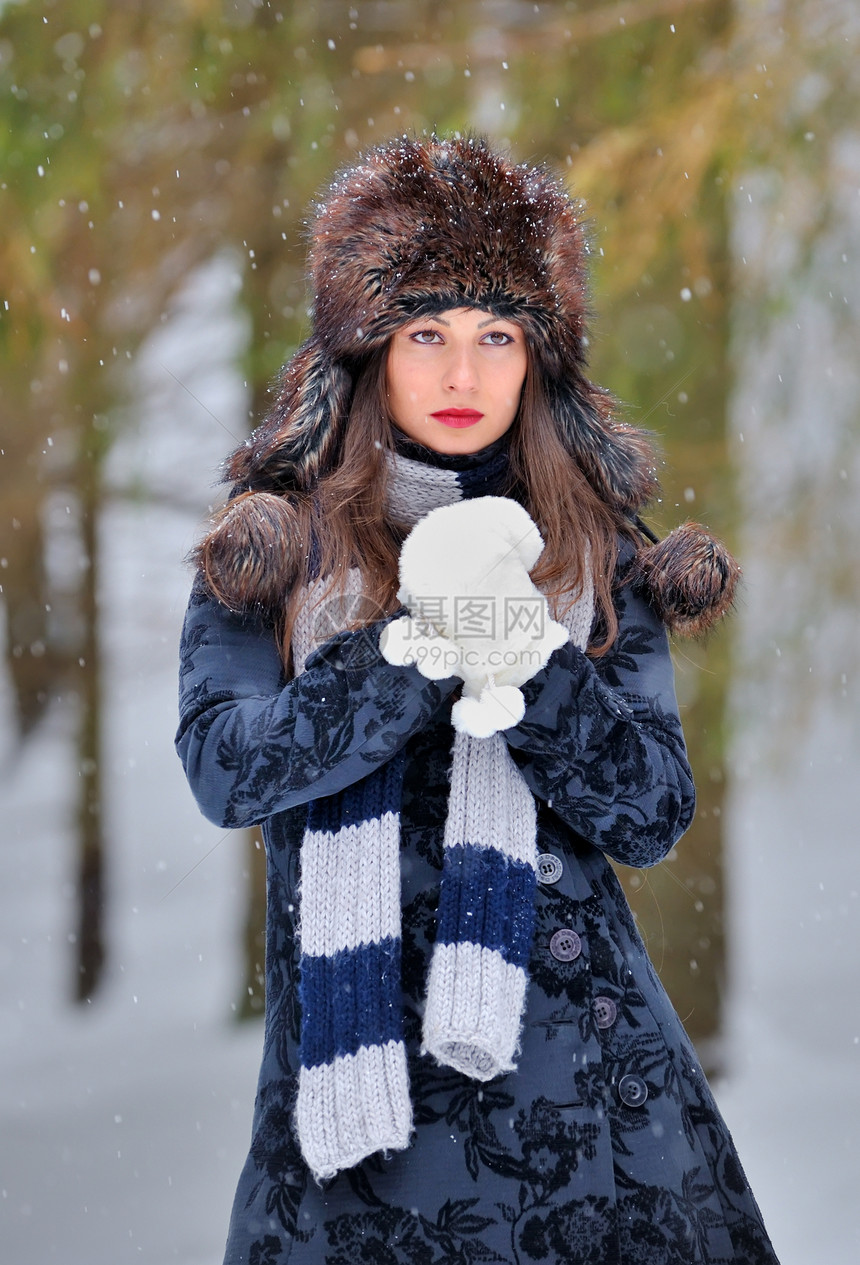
point(605, 1146)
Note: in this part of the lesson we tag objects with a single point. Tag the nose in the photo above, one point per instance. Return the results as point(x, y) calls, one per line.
point(461, 370)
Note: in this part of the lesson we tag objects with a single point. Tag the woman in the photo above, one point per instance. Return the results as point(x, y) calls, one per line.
point(468, 1055)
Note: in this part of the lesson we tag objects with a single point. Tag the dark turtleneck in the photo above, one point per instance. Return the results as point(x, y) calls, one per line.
point(482, 473)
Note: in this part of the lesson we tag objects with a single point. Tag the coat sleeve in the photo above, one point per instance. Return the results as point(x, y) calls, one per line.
point(253, 744)
point(601, 741)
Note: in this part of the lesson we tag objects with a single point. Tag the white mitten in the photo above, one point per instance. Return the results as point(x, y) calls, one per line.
point(474, 611)
point(408, 641)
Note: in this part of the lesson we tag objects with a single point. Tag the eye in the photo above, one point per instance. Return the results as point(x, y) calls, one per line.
point(497, 338)
point(426, 337)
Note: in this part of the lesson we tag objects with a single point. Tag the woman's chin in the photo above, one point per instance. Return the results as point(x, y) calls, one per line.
point(452, 441)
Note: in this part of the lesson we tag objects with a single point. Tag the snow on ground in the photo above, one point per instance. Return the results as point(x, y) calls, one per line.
point(123, 1125)
point(793, 1096)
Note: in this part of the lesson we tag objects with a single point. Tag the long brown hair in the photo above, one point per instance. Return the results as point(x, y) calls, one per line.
point(345, 522)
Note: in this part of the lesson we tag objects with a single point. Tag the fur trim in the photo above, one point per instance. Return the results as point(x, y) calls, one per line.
point(689, 578)
point(423, 225)
point(418, 226)
point(299, 438)
point(252, 552)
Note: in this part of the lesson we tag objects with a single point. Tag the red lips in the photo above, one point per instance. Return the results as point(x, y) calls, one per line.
point(458, 417)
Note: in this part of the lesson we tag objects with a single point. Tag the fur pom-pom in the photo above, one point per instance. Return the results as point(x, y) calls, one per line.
point(253, 551)
point(689, 578)
point(499, 707)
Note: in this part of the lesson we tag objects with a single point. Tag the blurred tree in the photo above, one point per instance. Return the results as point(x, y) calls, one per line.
point(137, 141)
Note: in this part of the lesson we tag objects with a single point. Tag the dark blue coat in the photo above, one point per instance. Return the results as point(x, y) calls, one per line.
point(606, 1145)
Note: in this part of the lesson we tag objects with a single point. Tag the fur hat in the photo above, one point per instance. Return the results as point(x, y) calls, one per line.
point(419, 226)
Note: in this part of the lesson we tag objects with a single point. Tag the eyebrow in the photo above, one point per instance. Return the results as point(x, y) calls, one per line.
point(489, 321)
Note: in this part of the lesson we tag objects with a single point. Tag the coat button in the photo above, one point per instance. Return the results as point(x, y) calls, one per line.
point(549, 868)
point(605, 1012)
point(565, 945)
point(632, 1091)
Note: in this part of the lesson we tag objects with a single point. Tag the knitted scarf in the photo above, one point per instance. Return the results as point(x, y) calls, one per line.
point(353, 1092)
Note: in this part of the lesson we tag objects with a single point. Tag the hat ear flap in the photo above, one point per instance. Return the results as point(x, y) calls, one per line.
point(618, 460)
point(299, 438)
point(689, 578)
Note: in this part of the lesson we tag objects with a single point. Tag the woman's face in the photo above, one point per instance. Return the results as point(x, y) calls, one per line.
point(454, 380)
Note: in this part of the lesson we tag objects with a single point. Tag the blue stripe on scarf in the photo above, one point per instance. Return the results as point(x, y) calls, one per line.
point(487, 899)
point(351, 990)
point(378, 793)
